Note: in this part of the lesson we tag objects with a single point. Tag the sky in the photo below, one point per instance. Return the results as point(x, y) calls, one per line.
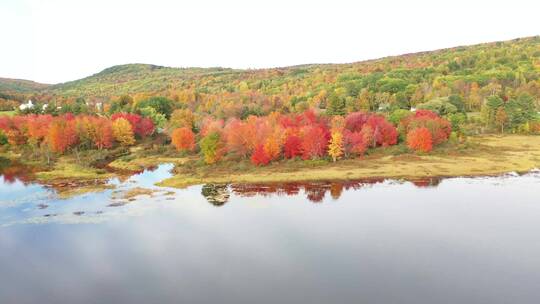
point(54, 41)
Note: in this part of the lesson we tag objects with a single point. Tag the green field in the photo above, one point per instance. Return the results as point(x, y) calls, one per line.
point(7, 113)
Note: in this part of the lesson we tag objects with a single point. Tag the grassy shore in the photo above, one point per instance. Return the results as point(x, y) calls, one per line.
point(482, 155)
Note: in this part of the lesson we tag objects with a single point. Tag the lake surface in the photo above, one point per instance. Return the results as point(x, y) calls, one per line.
point(458, 240)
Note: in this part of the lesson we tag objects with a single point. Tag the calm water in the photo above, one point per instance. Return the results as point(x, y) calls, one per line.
point(459, 240)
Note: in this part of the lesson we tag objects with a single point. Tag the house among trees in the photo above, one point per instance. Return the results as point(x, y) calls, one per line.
point(28, 105)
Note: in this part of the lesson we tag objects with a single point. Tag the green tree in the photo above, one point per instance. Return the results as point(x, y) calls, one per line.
point(212, 148)
point(162, 105)
point(440, 105)
point(336, 105)
point(123, 104)
point(520, 110)
point(158, 119)
point(457, 101)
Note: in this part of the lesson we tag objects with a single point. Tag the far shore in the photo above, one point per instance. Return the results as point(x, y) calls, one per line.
point(487, 155)
point(480, 156)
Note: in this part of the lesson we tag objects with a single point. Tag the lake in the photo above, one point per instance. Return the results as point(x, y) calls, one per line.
point(455, 240)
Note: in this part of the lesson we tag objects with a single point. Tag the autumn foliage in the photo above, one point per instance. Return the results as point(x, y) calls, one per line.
point(67, 131)
point(142, 126)
point(261, 139)
point(61, 135)
point(420, 139)
point(438, 127)
point(260, 157)
point(123, 132)
point(183, 139)
point(212, 147)
point(367, 130)
point(292, 146)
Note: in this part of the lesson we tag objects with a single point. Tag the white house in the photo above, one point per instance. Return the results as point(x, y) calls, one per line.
point(28, 105)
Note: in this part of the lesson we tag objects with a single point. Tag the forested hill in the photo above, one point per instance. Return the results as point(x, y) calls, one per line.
point(134, 78)
point(18, 89)
point(471, 72)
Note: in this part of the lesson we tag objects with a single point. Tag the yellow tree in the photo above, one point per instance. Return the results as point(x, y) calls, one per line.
point(475, 99)
point(273, 144)
point(182, 118)
point(123, 132)
point(335, 148)
point(501, 118)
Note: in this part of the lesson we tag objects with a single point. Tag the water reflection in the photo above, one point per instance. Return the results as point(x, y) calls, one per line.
point(216, 194)
point(23, 201)
point(461, 240)
point(13, 172)
point(314, 192)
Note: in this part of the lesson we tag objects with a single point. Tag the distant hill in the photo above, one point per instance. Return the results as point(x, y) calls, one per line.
point(133, 78)
point(17, 89)
point(507, 66)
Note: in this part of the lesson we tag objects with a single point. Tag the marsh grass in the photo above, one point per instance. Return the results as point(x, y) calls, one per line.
point(485, 155)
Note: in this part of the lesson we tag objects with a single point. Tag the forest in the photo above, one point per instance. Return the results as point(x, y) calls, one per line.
point(324, 111)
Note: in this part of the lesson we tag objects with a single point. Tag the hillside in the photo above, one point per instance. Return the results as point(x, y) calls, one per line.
point(471, 72)
point(132, 78)
point(17, 89)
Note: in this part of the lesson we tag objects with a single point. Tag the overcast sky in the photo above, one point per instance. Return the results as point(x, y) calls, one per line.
point(60, 40)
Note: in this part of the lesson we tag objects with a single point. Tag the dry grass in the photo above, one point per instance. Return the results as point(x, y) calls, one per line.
point(138, 191)
point(489, 155)
point(66, 168)
point(137, 161)
point(69, 192)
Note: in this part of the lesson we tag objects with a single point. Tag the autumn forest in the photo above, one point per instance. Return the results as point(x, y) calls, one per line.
point(314, 112)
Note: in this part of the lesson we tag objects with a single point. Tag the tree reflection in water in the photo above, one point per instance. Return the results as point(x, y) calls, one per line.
point(315, 192)
point(216, 194)
point(13, 171)
point(427, 182)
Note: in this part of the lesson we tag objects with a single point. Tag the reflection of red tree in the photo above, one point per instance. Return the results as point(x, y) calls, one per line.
point(315, 192)
point(291, 189)
point(14, 173)
point(427, 182)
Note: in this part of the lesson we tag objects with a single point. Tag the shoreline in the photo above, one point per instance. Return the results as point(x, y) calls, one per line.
point(487, 155)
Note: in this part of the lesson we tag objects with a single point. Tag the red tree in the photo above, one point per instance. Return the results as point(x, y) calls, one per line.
point(292, 146)
point(355, 121)
point(385, 134)
point(439, 128)
point(240, 137)
point(314, 141)
point(260, 157)
point(142, 126)
point(420, 139)
point(61, 135)
point(38, 127)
